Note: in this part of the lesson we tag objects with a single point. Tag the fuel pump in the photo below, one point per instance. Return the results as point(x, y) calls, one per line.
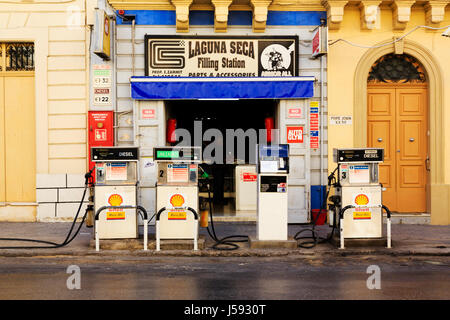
point(358, 195)
point(115, 194)
point(177, 193)
point(272, 193)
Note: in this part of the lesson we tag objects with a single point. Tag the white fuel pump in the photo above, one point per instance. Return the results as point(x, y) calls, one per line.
point(177, 193)
point(115, 194)
point(272, 193)
point(358, 195)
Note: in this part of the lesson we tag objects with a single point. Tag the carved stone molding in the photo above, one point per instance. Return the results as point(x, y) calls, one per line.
point(260, 9)
point(221, 14)
point(182, 13)
point(369, 13)
point(401, 14)
point(335, 12)
point(434, 12)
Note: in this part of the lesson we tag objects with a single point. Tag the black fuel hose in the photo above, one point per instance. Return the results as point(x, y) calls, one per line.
point(314, 233)
point(68, 239)
point(227, 243)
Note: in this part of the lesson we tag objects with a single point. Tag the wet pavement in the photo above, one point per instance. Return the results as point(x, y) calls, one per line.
point(231, 278)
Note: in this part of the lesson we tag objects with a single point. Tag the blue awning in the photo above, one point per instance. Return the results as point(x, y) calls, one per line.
point(164, 88)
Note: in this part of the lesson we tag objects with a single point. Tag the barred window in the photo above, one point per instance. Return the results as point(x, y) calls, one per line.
point(16, 56)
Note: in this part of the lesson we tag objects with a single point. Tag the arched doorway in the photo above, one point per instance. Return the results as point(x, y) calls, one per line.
point(397, 121)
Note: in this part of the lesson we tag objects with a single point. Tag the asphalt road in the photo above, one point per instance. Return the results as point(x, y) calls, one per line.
point(230, 278)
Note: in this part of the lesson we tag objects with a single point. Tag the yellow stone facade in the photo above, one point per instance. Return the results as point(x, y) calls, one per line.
point(363, 31)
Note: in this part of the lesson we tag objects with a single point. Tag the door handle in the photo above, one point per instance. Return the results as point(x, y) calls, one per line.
point(427, 163)
point(411, 139)
point(380, 139)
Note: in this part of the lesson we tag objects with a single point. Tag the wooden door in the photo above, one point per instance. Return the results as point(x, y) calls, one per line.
point(17, 126)
point(397, 122)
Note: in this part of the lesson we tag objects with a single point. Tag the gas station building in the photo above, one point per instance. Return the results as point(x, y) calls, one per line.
point(139, 69)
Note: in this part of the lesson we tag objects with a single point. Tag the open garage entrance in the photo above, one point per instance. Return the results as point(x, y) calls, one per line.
point(225, 128)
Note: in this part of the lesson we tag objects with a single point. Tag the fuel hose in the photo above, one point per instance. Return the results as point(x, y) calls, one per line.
point(314, 239)
point(227, 243)
point(69, 237)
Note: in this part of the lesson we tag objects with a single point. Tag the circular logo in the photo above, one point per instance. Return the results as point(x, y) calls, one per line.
point(361, 199)
point(177, 200)
point(275, 57)
point(115, 199)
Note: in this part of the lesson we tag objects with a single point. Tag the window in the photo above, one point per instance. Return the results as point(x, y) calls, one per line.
point(16, 56)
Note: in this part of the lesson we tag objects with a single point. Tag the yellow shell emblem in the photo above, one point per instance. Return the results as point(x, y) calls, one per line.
point(361, 199)
point(177, 200)
point(115, 199)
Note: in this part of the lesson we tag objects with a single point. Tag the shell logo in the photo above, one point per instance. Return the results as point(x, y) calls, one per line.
point(177, 200)
point(115, 199)
point(361, 199)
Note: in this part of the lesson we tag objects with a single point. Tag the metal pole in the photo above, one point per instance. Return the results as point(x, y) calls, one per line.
point(97, 240)
point(342, 233)
point(145, 234)
point(157, 237)
point(389, 233)
point(196, 236)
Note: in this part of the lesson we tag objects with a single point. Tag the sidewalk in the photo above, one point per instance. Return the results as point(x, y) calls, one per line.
point(425, 240)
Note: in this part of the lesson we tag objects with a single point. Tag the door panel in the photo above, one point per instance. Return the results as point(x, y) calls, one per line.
point(412, 142)
point(2, 141)
point(381, 134)
point(397, 121)
point(20, 142)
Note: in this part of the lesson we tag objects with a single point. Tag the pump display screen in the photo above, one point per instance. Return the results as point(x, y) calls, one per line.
point(189, 154)
point(359, 155)
point(167, 154)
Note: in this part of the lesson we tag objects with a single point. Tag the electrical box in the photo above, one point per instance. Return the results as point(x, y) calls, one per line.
point(246, 185)
point(101, 130)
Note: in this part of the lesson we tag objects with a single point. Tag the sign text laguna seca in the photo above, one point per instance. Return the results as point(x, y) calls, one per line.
point(221, 56)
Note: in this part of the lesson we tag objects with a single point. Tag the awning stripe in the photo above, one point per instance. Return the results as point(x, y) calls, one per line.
point(160, 88)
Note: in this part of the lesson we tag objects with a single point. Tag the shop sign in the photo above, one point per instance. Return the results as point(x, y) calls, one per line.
point(314, 125)
point(295, 113)
point(319, 42)
point(148, 114)
point(249, 177)
point(294, 134)
point(221, 56)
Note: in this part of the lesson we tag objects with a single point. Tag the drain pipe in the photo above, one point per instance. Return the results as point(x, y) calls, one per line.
point(321, 130)
point(133, 35)
point(322, 99)
point(116, 103)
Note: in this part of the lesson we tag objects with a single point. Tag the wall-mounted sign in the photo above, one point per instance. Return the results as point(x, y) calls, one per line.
point(148, 114)
point(340, 120)
point(102, 96)
point(294, 134)
point(101, 78)
point(221, 56)
point(294, 113)
point(319, 42)
point(314, 125)
point(101, 75)
point(102, 35)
